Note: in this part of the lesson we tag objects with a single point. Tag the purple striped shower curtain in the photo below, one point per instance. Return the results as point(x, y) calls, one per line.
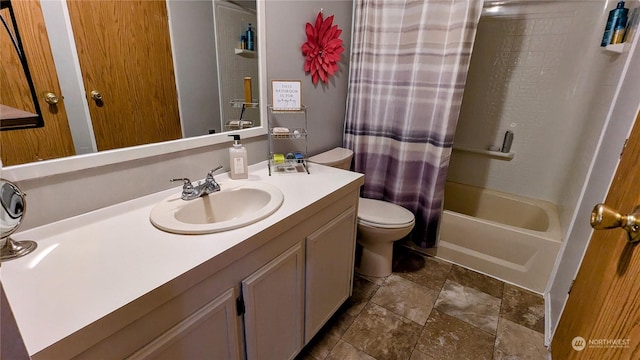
point(408, 70)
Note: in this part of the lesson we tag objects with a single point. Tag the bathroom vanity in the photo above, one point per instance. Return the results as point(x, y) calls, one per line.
point(110, 285)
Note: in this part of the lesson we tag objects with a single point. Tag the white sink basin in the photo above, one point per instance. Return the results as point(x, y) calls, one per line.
point(236, 205)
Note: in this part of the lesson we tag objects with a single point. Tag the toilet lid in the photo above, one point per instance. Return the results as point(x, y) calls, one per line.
point(383, 214)
point(332, 156)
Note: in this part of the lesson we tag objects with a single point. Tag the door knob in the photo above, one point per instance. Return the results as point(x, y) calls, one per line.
point(95, 95)
point(51, 98)
point(604, 217)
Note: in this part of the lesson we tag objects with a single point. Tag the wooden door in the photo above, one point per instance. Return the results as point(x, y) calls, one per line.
point(125, 55)
point(54, 139)
point(601, 319)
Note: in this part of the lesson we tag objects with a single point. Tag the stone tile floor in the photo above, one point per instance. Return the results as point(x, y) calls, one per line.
point(429, 309)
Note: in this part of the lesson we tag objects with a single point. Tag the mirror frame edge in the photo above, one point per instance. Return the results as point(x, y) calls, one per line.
point(64, 165)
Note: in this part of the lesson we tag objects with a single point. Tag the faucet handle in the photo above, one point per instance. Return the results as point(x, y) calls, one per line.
point(210, 173)
point(211, 182)
point(187, 186)
point(186, 181)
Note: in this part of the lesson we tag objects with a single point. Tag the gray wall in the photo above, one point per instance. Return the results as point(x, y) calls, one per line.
point(191, 25)
point(325, 102)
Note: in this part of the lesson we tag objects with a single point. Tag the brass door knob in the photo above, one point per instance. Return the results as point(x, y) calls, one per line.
point(51, 98)
point(95, 95)
point(603, 217)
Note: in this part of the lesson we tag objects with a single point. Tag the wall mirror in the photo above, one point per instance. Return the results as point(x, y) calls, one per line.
point(204, 87)
point(19, 106)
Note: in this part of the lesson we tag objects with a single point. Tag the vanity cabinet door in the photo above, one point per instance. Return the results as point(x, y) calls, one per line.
point(212, 332)
point(329, 270)
point(273, 298)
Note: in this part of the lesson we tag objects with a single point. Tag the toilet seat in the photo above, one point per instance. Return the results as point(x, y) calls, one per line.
point(384, 215)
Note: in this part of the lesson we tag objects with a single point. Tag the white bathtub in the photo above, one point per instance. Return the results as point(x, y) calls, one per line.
point(508, 237)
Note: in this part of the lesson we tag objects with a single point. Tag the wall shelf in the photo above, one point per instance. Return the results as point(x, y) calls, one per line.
point(617, 48)
point(292, 134)
point(289, 140)
point(239, 103)
point(495, 154)
point(249, 54)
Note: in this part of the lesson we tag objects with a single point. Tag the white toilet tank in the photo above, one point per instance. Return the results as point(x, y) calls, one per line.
point(338, 157)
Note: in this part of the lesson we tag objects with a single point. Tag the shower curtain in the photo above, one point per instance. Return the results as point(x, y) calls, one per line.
point(408, 69)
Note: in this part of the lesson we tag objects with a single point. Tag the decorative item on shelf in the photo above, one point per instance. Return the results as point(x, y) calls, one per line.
point(323, 49)
point(286, 95)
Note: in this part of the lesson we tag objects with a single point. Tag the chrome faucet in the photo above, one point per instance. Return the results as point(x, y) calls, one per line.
point(190, 192)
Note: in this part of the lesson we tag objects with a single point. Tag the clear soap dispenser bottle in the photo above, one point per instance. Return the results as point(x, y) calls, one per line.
point(238, 160)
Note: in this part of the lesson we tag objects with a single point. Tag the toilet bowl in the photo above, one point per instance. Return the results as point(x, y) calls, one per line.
point(380, 223)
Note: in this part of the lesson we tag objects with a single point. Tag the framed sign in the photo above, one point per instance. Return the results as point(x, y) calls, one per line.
point(286, 94)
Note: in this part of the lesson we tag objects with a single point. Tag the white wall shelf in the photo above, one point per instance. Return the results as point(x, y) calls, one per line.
point(617, 48)
point(250, 54)
point(495, 154)
point(239, 103)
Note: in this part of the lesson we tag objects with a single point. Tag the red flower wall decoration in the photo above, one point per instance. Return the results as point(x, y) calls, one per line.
point(322, 49)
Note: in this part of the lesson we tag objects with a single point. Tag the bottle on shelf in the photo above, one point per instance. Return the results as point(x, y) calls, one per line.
point(249, 36)
point(618, 32)
point(616, 15)
point(248, 95)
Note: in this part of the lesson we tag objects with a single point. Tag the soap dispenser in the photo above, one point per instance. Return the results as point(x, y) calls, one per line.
point(238, 160)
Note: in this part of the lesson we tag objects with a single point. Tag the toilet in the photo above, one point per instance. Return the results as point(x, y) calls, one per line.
point(380, 223)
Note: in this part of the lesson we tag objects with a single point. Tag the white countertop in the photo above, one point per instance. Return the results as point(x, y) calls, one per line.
point(90, 265)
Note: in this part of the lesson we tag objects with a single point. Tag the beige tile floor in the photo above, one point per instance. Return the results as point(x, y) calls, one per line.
point(429, 309)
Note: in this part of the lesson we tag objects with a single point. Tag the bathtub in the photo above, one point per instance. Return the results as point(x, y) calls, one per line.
point(508, 237)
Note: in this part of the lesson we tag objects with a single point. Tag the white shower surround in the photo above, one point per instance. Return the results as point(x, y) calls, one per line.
point(602, 107)
point(551, 86)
